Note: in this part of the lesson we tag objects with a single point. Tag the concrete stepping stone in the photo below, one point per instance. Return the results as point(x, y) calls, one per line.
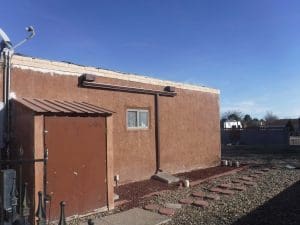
point(239, 188)
point(246, 178)
point(253, 176)
point(198, 194)
point(250, 183)
point(173, 205)
point(225, 186)
point(167, 211)
point(165, 177)
point(212, 197)
point(186, 201)
point(201, 203)
point(152, 207)
point(236, 182)
point(222, 191)
point(259, 172)
point(135, 216)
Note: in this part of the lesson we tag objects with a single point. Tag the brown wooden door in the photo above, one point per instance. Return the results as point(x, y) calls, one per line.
point(76, 168)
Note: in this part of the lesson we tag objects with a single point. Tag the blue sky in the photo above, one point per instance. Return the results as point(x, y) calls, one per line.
point(250, 50)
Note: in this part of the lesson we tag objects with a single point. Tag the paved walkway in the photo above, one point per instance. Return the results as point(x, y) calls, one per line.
point(133, 216)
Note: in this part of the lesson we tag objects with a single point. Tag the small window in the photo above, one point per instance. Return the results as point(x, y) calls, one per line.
point(137, 118)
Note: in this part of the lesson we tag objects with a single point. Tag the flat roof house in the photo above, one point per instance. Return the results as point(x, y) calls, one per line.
point(94, 124)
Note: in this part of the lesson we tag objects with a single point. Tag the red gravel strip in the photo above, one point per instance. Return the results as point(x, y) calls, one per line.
point(234, 170)
point(204, 173)
point(138, 193)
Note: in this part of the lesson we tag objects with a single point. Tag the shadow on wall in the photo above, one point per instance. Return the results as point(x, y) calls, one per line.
point(283, 209)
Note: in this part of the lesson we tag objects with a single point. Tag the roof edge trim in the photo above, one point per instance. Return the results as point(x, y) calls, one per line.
point(63, 68)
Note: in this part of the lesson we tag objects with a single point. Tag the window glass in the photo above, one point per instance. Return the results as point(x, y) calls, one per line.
point(143, 119)
point(132, 118)
point(137, 118)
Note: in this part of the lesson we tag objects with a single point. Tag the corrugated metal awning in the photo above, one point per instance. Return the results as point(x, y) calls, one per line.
point(46, 106)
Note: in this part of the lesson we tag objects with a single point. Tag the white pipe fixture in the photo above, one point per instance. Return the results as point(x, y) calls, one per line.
point(6, 43)
point(12, 95)
point(31, 31)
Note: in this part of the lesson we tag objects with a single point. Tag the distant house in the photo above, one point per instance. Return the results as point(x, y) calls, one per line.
point(283, 122)
point(232, 124)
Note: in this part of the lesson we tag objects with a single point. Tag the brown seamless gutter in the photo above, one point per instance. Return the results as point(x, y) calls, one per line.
point(126, 89)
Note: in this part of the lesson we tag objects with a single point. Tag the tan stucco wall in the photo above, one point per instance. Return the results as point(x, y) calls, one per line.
point(190, 133)
point(189, 122)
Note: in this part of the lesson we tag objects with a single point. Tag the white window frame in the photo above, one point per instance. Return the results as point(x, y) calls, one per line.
point(138, 119)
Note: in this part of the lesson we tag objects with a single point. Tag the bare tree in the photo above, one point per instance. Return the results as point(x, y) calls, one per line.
point(289, 125)
point(233, 115)
point(270, 117)
point(247, 121)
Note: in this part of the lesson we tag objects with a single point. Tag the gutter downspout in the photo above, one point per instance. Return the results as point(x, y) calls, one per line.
point(7, 105)
point(7, 55)
point(157, 132)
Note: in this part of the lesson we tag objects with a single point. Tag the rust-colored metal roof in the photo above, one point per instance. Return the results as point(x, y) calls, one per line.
point(44, 106)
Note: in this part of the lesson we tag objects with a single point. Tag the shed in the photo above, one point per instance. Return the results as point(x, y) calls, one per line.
point(75, 138)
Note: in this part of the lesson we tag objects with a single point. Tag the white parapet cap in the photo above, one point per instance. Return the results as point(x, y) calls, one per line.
point(65, 68)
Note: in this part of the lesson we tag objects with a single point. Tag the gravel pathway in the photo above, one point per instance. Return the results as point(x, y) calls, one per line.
point(255, 205)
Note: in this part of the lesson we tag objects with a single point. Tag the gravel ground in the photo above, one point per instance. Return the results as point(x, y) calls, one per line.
point(275, 200)
point(236, 209)
point(268, 156)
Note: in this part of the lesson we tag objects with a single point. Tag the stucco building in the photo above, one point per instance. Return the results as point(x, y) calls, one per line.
point(144, 124)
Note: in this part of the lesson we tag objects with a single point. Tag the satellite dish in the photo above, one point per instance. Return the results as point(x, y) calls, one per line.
point(5, 40)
